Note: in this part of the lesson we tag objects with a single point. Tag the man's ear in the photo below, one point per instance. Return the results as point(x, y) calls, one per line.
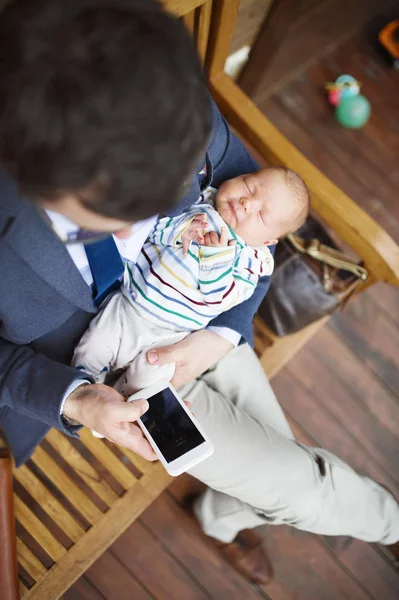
point(270, 242)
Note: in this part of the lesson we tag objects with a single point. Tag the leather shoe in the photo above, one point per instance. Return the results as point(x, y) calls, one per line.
point(245, 553)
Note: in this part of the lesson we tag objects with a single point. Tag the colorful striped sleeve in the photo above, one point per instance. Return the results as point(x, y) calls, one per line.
point(168, 230)
point(229, 275)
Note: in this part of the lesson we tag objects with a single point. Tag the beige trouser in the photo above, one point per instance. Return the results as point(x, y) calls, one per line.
point(259, 474)
point(119, 338)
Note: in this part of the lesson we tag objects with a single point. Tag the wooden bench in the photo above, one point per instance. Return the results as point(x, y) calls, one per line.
point(75, 497)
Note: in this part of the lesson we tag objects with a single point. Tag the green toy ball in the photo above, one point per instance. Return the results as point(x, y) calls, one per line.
point(353, 112)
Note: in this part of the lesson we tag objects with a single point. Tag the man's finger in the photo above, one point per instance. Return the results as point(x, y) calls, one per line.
point(163, 355)
point(139, 443)
point(178, 380)
point(129, 411)
point(133, 438)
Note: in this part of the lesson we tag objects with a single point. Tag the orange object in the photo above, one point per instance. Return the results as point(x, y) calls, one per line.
point(389, 38)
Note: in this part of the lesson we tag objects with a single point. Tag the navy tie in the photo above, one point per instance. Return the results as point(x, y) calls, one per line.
point(106, 266)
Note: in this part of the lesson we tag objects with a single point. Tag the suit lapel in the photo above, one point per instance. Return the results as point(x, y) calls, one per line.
point(35, 243)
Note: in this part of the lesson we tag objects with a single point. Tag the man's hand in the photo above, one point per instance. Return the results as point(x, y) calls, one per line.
point(104, 410)
point(194, 232)
point(193, 356)
point(216, 241)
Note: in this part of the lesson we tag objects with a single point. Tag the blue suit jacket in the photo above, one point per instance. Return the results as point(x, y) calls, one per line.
point(45, 305)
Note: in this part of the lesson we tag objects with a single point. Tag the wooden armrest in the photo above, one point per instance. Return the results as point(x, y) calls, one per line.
point(371, 242)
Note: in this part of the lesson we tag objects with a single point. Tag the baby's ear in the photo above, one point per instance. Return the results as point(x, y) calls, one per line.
point(270, 242)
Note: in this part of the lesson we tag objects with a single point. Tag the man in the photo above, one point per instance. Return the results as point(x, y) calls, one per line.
point(103, 120)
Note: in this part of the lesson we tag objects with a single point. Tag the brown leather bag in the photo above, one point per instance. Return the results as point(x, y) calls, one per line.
point(8, 540)
point(311, 279)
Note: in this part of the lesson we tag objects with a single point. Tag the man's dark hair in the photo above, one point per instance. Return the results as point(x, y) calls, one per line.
point(102, 98)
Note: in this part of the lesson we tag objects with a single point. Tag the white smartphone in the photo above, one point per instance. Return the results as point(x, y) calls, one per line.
point(174, 433)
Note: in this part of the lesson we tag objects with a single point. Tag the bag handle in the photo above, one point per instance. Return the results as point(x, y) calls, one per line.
point(326, 254)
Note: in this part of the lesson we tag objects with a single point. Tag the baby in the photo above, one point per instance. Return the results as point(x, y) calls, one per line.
point(192, 268)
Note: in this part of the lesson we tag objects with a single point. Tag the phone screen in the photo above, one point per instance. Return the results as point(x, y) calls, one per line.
point(170, 426)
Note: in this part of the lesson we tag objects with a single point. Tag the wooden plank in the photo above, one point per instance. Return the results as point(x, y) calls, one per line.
point(279, 19)
point(83, 589)
point(37, 530)
point(368, 566)
point(373, 337)
point(189, 22)
point(139, 462)
point(250, 15)
point(332, 394)
point(48, 502)
point(29, 561)
point(204, 21)
point(362, 55)
point(180, 534)
point(304, 102)
point(363, 234)
point(386, 297)
point(324, 428)
point(99, 537)
point(319, 154)
point(221, 33)
point(181, 7)
point(377, 141)
point(305, 570)
point(110, 461)
point(139, 551)
point(113, 580)
point(65, 485)
point(275, 356)
point(23, 590)
point(324, 28)
point(374, 397)
point(81, 466)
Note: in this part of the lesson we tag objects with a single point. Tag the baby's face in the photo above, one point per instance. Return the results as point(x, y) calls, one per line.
point(256, 206)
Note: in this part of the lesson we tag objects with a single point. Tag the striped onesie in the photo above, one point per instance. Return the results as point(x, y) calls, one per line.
point(166, 295)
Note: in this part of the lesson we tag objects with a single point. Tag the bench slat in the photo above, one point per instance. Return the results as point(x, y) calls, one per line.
point(65, 484)
point(82, 467)
point(29, 561)
point(48, 502)
point(144, 466)
point(37, 530)
point(110, 461)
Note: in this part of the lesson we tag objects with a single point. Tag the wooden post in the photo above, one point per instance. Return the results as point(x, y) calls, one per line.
point(274, 29)
point(224, 17)
point(9, 588)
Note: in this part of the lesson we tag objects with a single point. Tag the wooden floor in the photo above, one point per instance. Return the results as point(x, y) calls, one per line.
point(340, 392)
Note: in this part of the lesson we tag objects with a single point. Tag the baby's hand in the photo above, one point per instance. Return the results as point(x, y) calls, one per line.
point(213, 239)
point(194, 232)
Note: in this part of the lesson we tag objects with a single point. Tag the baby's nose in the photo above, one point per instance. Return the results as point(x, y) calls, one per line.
point(246, 204)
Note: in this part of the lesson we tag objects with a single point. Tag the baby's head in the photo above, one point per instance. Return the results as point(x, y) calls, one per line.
point(264, 206)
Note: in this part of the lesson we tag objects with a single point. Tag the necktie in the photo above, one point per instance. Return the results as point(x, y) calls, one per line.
point(106, 266)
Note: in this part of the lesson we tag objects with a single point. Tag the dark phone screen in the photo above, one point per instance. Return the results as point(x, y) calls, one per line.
point(170, 426)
